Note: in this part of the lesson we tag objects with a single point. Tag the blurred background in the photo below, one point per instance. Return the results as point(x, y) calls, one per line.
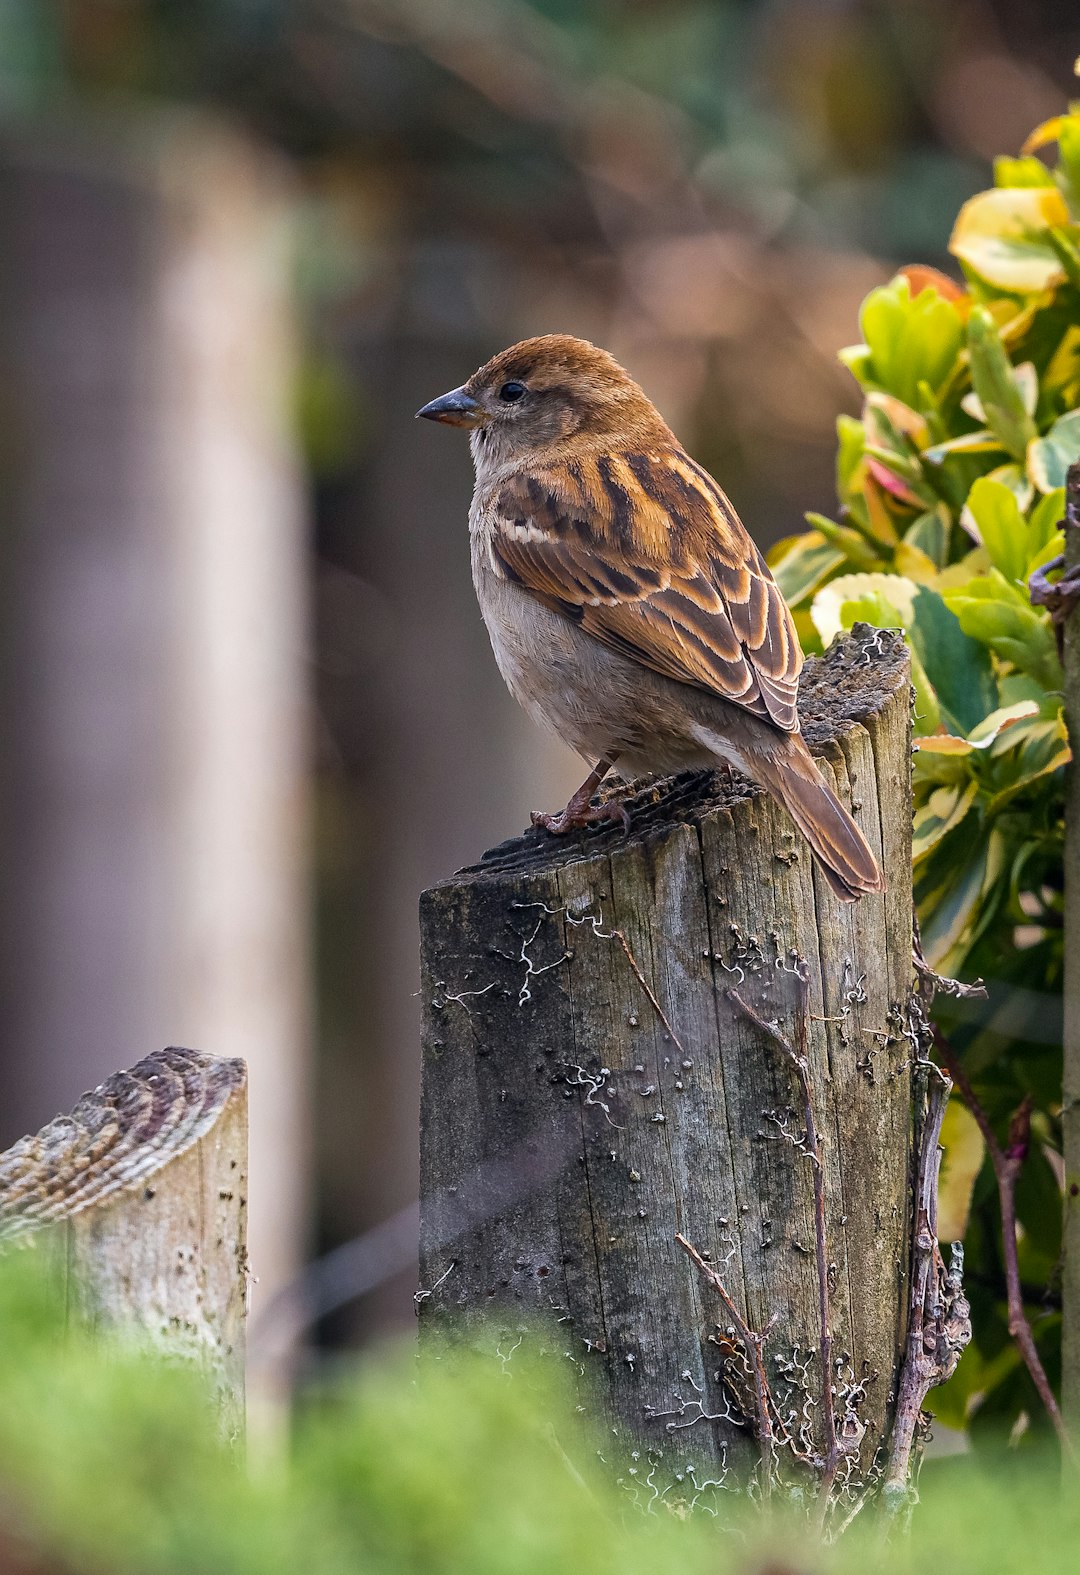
point(247, 702)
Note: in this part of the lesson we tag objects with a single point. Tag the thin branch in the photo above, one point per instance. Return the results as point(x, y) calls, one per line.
point(939, 1326)
point(1008, 1163)
point(754, 1346)
point(796, 1056)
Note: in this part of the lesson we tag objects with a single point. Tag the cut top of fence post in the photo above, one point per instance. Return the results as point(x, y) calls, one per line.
point(145, 1183)
point(607, 1027)
point(847, 690)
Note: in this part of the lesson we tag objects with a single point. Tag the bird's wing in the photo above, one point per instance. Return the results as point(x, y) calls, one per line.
point(644, 552)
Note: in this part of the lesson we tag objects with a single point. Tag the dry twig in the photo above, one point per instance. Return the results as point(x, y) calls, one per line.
point(1008, 1163)
point(939, 1325)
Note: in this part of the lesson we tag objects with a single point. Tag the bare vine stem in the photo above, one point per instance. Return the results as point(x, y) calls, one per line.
point(1008, 1163)
point(938, 1323)
point(797, 1058)
point(753, 1344)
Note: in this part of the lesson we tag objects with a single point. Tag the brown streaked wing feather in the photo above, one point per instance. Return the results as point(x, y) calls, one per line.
point(645, 553)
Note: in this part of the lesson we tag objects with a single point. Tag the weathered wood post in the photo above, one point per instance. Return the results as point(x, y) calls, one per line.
point(144, 1186)
point(152, 625)
point(630, 1040)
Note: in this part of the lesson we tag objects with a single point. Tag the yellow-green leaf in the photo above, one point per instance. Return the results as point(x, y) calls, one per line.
point(801, 563)
point(1001, 234)
point(992, 516)
point(960, 1166)
point(992, 611)
point(944, 809)
point(1048, 131)
point(917, 565)
point(980, 737)
point(895, 592)
point(1049, 457)
point(968, 443)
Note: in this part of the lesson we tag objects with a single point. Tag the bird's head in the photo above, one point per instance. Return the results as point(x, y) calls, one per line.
point(529, 401)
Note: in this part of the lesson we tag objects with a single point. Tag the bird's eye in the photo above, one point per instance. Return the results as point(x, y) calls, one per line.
point(511, 392)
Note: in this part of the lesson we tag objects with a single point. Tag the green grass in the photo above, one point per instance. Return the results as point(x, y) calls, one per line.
point(110, 1461)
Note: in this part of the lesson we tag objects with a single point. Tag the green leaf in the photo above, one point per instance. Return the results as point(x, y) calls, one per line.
point(1054, 548)
point(1043, 749)
point(892, 595)
point(961, 1161)
point(993, 612)
point(944, 809)
point(958, 667)
point(1002, 393)
point(995, 514)
point(985, 736)
point(932, 770)
point(967, 443)
point(1068, 141)
point(801, 564)
point(891, 424)
point(1002, 236)
point(1038, 1203)
point(1001, 721)
point(1049, 457)
point(949, 889)
point(1060, 377)
point(855, 548)
point(851, 439)
point(859, 362)
point(931, 533)
point(1069, 253)
point(886, 601)
point(1021, 172)
point(1017, 481)
point(1044, 526)
point(906, 340)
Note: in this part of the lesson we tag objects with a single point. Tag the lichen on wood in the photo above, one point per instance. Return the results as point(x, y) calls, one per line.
point(613, 1004)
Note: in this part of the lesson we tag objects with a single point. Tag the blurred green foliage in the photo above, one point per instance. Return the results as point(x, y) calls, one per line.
point(951, 493)
point(110, 1461)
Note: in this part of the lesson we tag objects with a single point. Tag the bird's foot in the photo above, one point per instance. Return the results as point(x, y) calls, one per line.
point(578, 814)
point(581, 811)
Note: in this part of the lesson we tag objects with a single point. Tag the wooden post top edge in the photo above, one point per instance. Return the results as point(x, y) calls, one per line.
point(117, 1137)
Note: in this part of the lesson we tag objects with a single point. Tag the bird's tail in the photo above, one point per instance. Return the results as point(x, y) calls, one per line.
point(790, 774)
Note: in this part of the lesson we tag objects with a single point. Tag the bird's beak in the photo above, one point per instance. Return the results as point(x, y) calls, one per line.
point(455, 409)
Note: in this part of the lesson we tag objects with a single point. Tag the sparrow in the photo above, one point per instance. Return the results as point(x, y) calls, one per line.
point(628, 608)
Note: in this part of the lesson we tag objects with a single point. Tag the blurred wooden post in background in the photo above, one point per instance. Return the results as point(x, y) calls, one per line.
point(612, 1032)
point(145, 1186)
point(154, 645)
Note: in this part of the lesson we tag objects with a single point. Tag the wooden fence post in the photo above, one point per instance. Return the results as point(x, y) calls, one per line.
point(145, 1185)
point(153, 661)
point(684, 1034)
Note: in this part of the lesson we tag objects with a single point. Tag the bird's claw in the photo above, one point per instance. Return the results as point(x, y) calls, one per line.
point(576, 816)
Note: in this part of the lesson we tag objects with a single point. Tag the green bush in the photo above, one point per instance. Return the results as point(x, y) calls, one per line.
point(951, 495)
point(111, 1464)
